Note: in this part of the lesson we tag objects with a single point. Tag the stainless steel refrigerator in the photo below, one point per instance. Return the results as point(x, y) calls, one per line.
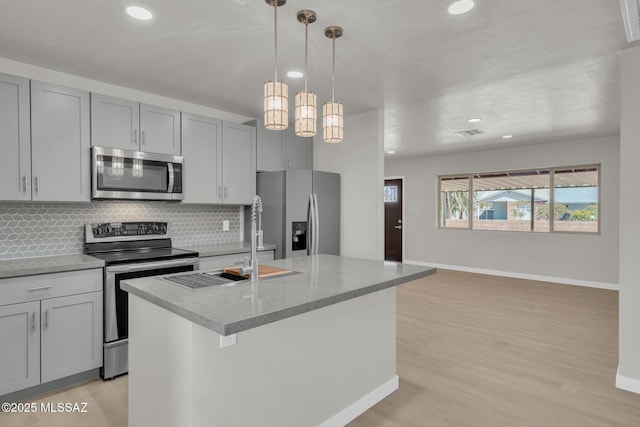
point(301, 211)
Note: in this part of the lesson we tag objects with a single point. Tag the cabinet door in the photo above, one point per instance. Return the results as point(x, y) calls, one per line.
point(269, 148)
point(20, 349)
point(159, 130)
point(59, 143)
point(15, 139)
point(201, 148)
point(297, 151)
point(115, 122)
point(238, 163)
point(71, 335)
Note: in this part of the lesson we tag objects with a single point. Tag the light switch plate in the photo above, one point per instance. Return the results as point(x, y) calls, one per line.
point(225, 225)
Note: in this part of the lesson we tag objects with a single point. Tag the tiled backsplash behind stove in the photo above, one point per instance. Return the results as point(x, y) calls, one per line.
point(46, 229)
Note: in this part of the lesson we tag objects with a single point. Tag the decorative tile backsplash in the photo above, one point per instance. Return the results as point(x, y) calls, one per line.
point(46, 229)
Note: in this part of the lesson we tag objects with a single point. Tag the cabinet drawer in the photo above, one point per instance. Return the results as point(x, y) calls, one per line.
point(32, 288)
point(222, 261)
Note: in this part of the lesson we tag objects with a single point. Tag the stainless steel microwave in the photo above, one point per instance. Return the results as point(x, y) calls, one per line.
point(137, 175)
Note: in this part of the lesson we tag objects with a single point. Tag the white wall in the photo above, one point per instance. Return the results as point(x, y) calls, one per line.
point(28, 71)
point(587, 258)
point(629, 307)
point(359, 160)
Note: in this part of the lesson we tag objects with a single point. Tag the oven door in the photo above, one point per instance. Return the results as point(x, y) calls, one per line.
point(124, 174)
point(116, 301)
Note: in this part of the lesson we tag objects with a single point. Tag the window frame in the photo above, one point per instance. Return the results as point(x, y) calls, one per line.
point(552, 171)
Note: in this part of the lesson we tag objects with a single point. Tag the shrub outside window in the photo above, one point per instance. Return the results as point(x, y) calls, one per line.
point(523, 200)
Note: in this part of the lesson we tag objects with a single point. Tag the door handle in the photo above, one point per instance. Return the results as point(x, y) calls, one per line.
point(399, 227)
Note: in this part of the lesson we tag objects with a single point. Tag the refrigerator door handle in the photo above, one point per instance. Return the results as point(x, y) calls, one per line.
point(310, 222)
point(316, 225)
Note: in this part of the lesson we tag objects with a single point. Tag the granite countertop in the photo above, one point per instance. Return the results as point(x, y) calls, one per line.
point(51, 264)
point(224, 248)
point(318, 281)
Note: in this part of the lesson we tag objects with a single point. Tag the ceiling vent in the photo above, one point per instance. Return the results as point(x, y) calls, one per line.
point(470, 132)
point(631, 18)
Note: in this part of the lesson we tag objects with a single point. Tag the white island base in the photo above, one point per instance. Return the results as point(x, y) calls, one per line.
point(324, 367)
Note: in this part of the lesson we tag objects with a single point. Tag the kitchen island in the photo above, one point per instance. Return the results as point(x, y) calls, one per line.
point(313, 347)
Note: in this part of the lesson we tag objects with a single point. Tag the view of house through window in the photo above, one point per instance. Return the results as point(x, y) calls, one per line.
point(523, 200)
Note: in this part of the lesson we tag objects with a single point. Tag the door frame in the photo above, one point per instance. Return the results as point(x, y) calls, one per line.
point(404, 191)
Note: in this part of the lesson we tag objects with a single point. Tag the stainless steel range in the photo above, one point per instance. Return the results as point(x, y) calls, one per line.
point(130, 250)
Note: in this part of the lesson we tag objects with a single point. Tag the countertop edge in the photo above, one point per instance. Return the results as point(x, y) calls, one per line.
point(35, 270)
point(253, 322)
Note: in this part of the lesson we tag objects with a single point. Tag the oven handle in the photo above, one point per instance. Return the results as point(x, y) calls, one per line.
point(152, 265)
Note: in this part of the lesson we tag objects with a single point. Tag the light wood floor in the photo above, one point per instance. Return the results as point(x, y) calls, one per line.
point(473, 350)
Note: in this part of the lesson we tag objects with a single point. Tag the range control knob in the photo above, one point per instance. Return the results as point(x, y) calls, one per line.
point(163, 228)
point(154, 227)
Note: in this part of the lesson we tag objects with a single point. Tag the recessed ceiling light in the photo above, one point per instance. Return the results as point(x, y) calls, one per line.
point(139, 13)
point(476, 120)
point(295, 74)
point(459, 7)
point(391, 152)
point(507, 136)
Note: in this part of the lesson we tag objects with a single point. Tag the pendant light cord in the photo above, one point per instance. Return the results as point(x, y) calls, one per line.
point(333, 70)
point(275, 40)
point(306, 45)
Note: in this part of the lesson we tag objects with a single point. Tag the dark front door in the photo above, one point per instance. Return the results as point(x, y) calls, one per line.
point(393, 220)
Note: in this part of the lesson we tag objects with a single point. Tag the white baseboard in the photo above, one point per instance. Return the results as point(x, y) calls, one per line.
point(562, 280)
point(627, 383)
point(357, 408)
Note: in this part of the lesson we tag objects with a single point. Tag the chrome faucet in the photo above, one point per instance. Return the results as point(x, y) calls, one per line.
point(256, 239)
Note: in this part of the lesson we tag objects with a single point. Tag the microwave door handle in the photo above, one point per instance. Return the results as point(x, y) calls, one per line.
point(171, 177)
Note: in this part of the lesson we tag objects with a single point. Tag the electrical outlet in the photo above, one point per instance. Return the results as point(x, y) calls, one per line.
point(226, 341)
point(225, 225)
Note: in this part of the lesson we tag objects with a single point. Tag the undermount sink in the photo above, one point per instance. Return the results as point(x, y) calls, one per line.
point(205, 279)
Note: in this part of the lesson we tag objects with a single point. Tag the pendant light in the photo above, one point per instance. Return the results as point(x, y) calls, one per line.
point(276, 94)
point(306, 110)
point(332, 113)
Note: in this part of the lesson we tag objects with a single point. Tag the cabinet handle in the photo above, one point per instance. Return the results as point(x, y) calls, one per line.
point(37, 184)
point(46, 319)
point(225, 192)
point(144, 139)
point(288, 164)
point(33, 321)
point(283, 164)
point(219, 192)
point(24, 183)
point(41, 288)
point(135, 136)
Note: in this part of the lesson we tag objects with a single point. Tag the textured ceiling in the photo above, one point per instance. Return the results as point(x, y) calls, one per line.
point(543, 70)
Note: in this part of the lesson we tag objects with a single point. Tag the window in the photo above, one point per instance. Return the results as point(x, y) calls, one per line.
point(391, 194)
point(522, 200)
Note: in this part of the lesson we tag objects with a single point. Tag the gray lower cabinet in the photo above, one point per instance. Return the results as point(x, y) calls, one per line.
point(130, 125)
point(219, 161)
point(56, 333)
point(280, 150)
point(59, 143)
point(71, 335)
point(20, 349)
point(15, 139)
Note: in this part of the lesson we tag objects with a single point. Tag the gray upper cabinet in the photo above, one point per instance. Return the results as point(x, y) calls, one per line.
point(219, 161)
point(159, 130)
point(279, 150)
point(129, 125)
point(15, 139)
point(238, 163)
point(59, 143)
point(115, 122)
point(201, 148)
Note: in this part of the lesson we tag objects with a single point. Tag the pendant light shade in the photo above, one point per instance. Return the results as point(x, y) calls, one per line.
point(306, 102)
point(332, 112)
point(276, 94)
